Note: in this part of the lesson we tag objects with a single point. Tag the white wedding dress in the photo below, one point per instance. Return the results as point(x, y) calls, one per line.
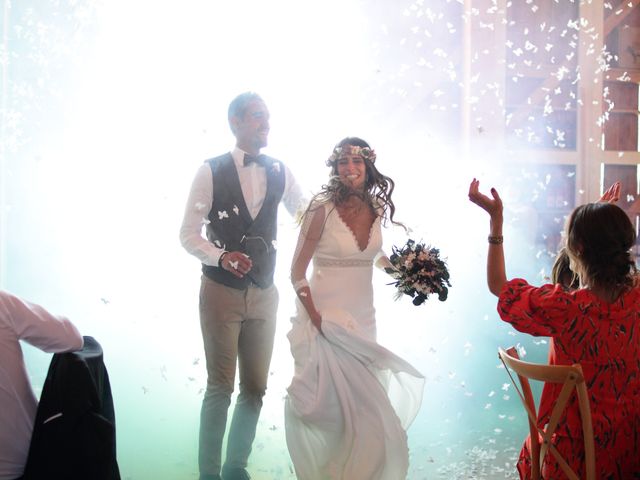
point(351, 400)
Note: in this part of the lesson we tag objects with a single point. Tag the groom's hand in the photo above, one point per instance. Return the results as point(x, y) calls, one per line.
point(237, 263)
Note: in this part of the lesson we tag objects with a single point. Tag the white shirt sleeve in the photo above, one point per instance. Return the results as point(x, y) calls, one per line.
point(22, 320)
point(196, 211)
point(292, 198)
point(200, 202)
point(33, 324)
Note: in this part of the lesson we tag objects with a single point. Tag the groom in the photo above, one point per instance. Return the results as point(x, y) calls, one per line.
point(236, 196)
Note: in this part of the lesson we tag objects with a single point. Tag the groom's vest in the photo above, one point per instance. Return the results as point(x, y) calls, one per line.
point(231, 227)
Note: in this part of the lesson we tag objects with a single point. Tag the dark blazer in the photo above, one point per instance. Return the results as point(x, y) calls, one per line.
point(74, 435)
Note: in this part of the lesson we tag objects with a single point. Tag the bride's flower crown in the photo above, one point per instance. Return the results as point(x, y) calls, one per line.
point(364, 152)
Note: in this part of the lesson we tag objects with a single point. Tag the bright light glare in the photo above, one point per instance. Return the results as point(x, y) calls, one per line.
point(147, 104)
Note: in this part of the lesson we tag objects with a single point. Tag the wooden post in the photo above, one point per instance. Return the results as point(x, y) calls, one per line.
point(484, 39)
point(590, 129)
point(4, 105)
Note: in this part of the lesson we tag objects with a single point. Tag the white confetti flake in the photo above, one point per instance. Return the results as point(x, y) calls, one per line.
point(222, 214)
point(624, 77)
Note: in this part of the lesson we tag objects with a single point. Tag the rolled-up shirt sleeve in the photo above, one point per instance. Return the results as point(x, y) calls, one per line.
point(293, 198)
point(35, 325)
point(196, 211)
point(200, 202)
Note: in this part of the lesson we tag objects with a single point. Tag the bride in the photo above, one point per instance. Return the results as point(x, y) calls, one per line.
point(350, 400)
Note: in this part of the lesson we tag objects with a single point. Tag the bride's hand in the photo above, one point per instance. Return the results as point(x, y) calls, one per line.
point(493, 206)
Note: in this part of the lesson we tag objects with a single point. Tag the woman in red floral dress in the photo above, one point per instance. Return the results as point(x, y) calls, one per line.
point(597, 325)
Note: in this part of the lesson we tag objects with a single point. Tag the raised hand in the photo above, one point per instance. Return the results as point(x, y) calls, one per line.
point(612, 194)
point(493, 206)
point(496, 271)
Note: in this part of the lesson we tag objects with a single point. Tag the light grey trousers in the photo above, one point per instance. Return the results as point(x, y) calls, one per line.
point(238, 328)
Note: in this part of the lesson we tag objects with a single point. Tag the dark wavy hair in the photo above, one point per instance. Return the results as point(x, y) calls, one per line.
point(377, 191)
point(599, 239)
point(561, 271)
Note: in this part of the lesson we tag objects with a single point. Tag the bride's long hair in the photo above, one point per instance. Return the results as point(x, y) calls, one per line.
point(377, 191)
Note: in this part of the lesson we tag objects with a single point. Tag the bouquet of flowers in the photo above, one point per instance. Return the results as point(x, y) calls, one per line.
point(418, 272)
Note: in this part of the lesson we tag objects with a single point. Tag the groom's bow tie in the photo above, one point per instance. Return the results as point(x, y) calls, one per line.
point(258, 159)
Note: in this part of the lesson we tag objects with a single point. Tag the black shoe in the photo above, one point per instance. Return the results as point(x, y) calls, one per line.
point(236, 473)
point(204, 476)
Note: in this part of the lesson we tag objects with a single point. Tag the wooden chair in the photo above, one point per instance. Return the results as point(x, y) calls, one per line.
point(571, 378)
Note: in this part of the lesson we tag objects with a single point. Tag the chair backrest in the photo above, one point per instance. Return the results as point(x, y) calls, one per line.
point(571, 378)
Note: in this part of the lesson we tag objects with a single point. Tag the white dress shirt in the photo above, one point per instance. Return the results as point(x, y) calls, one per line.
point(21, 320)
point(253, 181)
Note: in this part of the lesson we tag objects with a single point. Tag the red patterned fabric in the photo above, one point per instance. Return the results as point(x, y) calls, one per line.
point(605, 339)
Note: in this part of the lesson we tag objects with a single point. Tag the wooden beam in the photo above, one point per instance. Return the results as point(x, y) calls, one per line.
point(4, 102)
point(539, 71)
point(547, 87)
point(621, 158)
point(590, 89)
point(616, 74)
point(543, 156)
point(484, 73)
point(614, 19)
